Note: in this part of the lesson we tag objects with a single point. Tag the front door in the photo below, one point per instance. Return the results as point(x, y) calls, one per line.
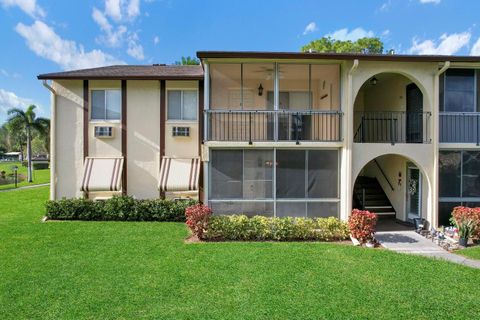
point(414, 114)
point(414, 192)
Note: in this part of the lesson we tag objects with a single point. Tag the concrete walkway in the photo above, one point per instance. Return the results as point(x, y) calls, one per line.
point(26, 187)
point(412, 243)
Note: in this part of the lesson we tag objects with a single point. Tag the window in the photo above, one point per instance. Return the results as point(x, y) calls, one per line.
point(106, 104)
point(459, 181)
point(182, 105)
point(459, 91)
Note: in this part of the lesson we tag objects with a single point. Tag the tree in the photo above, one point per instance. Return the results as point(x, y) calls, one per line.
point(28, 121)
point(327, 44)
point(188, 61)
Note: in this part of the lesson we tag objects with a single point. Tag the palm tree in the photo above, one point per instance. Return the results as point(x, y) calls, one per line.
point(188, 61)
point(28, 120)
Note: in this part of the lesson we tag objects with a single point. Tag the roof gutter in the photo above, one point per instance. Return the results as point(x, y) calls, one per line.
point(53, 175)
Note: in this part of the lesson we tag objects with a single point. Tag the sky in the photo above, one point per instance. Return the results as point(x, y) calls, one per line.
point(41, 36)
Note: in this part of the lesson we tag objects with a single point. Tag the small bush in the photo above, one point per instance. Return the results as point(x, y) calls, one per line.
point(259, 228)
point(118, 208)
point(197, 218)
point(467, 221)
point(362, 225)
point(40, 165)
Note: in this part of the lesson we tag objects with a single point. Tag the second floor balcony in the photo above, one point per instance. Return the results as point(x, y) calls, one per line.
point(273, 125)
point(392, 127)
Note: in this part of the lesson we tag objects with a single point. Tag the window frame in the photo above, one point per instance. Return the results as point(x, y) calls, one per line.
point(182, 90)
point(90, 105)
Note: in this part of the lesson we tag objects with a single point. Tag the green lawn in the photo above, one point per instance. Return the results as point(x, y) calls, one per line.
point(39, 176)
point(125, 270)
point(473, 252)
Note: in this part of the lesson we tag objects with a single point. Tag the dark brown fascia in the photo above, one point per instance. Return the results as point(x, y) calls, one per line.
point(331, 56)
point(64, 77)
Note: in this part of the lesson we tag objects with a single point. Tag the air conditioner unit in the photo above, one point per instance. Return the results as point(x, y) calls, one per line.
point(181, 131)
point(103, 132)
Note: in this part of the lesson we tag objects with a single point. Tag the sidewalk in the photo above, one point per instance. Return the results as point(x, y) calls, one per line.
point(26, 187)
point(411, 242)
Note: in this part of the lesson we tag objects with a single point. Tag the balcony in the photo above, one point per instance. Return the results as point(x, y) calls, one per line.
point(392, 127)
point(273, 125)
point(460, 127)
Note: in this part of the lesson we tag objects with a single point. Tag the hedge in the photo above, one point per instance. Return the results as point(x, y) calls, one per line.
point(118, 208)
point(259, 228)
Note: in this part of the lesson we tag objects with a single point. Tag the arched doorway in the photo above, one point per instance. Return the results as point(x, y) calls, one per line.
point(394, 187)
point(389, 108)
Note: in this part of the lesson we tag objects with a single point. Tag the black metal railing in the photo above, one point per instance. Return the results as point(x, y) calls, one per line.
point(270, 125)
point(392, 127)
point(459, 127)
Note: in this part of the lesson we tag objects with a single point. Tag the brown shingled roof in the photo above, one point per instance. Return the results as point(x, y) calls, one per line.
point(142, 72)
point(332, 56)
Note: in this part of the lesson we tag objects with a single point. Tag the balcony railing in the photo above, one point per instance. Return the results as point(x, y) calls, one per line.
point(392, 127)
point(460, 127)
point(273, 125)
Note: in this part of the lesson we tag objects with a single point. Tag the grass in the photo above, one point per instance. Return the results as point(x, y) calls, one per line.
point(473, 252)
point(123, 270)
point(39, 176)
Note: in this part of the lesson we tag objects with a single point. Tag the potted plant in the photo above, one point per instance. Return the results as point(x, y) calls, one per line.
point(465, 230)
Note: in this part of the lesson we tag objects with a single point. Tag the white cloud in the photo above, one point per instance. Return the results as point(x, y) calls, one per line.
point(386, 6)
point(113, 23)
point(121, 10)
point(111, 37)
point(30, 7)
point(311, 27)
point(113, 9)
point(10, 100)
point(476, 48)
point(133, 9)
point(135, 49)
point(355, 34)
point(7, 74)
point(430, 1)
point(446, 44)
point(44, 42)
point(156, 40)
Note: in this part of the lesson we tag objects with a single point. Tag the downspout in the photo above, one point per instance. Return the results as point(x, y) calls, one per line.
point(436, 141)
point(348, 146)
point(53, 175)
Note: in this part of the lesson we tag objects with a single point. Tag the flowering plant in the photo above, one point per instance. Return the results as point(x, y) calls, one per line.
point(362, 225)
point(197, 217)
point(467, 221)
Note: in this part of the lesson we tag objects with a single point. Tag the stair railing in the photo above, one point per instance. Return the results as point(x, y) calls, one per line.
point(383, 174)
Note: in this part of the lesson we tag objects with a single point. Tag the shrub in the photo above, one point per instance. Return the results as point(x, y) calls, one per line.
point(467, 221)
point(40, 165)
point(197, 218)
point(260, 228)
point(117, 208)
point(362, 225)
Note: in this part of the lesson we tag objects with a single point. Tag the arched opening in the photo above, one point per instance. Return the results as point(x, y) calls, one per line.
point(389, 108)
point(394, 187)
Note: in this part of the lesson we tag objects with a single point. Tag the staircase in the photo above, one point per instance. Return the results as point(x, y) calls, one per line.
point(368, 190)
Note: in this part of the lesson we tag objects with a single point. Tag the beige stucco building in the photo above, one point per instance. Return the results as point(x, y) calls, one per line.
point(278, 134)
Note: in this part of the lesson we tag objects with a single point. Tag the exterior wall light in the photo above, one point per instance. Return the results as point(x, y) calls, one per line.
point(373, 81)
point(260, 90)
